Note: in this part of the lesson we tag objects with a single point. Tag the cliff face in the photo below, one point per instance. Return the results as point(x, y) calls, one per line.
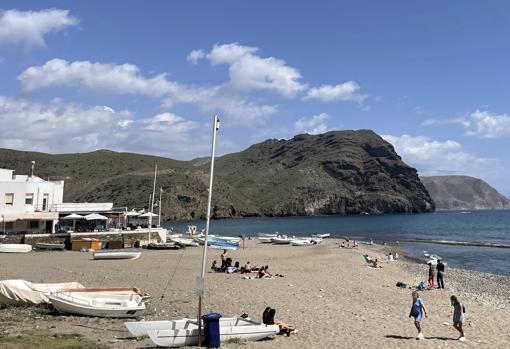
point(463, 193)
point(344, 172)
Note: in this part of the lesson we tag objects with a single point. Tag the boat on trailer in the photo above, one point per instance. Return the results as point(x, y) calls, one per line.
point(178, 333)
point(15, 248)
point(122, 302)
point(117, 254)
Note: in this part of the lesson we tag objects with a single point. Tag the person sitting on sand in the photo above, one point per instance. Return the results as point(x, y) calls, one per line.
point(375, 264)
point(395, 256)
point(247, 268)
point(458, 316)
point(236, 267)
point(268, 319)
point(214, 266)
point(390, 257)
point(417, 312)
point(264, 273)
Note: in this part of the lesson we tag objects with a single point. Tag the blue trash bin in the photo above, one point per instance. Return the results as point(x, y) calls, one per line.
point(212, 330)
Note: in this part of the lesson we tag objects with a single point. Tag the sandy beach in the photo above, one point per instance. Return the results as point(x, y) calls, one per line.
point(329, 293)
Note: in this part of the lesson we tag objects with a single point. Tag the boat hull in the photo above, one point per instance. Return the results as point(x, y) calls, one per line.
point(15, 248)
point(117, 255)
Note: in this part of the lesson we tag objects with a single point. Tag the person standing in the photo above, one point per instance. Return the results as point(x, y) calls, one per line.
point(458, 316)
point(224, 261)
point(431, 275)
point(440, 271)
point(417, 312)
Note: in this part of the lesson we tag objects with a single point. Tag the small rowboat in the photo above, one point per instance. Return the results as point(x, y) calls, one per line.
point(322, 236)
point(15, 248)
point(268, 235)
point(282, 240)
point(168, 246)
point(49, 246)
point(117, 254)
point(102, 302)
point(301, 242)
point(177, 333)
point(265, 240)
point(184, 242)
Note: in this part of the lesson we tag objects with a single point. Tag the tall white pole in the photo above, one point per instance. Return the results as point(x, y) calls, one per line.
point(152, 200)
point(159, 207)
point(200, 290)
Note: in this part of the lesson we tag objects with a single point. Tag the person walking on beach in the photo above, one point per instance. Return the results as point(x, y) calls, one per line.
point(417, 312)
point(440, 271)
point(431, 276)
point(458, 316)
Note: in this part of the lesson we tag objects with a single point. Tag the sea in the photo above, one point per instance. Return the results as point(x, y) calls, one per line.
point(442, 233)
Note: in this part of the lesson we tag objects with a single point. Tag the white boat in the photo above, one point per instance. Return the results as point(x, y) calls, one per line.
point(15, 248)
point(184, 241)
point(282, 240)
point(186, 332)
point(265, 240)
point(117, 254)
point(102, 302)
point(268, 235)
point(301, 242)
point(21, 292)
point(322, 236)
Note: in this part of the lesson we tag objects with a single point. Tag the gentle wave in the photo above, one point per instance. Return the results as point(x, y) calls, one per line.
point(462, 243)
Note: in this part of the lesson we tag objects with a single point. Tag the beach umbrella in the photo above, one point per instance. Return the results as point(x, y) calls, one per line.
point(74, 217)
point(95, 217)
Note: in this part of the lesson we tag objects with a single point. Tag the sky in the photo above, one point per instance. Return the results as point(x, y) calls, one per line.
point(148, 76)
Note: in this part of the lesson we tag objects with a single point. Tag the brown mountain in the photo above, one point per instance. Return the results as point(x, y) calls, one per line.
point(463, 193)
point(341, 172)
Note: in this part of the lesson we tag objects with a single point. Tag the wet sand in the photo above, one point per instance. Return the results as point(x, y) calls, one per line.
point(329, 293)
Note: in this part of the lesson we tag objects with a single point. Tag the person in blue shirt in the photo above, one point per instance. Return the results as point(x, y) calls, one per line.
point(417, 312)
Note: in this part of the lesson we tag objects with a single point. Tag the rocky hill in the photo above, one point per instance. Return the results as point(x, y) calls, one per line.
point(341, 172)
point(463, 193)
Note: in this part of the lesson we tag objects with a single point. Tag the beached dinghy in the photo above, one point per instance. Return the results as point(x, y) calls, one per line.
point(268, 235)
point(49, 246)
point(184, 241)
point(117, 254)
point(265, 240)
point(21, 292)
point(121, 302)
point(302, 242)
point(165, 246)
point(282, 240)
point(15, 248)
point(230, 328)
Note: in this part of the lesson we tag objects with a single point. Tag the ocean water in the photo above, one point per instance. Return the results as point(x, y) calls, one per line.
point(417, 233)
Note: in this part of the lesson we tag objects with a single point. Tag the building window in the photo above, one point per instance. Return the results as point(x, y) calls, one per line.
point(9, 199)
point(34, 224)
point(29, 198)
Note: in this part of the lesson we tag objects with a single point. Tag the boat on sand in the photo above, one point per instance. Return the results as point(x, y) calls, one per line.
point(49, 246)
point(122, 302)
point(177, 333)
point(22, 292)
point(117, 254)
point(282, 240)
point(15, 248)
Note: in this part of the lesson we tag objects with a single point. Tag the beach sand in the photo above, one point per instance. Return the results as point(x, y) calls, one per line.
point(329, 293)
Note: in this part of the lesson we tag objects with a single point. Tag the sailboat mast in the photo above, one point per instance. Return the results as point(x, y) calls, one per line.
point(200, 290)
point(152, 200)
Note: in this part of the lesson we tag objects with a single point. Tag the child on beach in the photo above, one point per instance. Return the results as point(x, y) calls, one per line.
point(458, 316)
point(431, 276)
point(417, 312)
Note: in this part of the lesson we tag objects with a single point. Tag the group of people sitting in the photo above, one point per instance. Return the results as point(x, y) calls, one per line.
point(262, 272)
point(348, 244)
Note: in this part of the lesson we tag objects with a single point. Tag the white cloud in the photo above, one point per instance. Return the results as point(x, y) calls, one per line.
point(341, 92)
point(248, 71)
point(432, 157)
point(481, 124)
point(313, 125)
point(100, 77)
point(195, 55)
point(27, 28)
point(59, 127)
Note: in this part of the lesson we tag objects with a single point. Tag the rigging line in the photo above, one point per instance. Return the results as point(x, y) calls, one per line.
point(171, 277)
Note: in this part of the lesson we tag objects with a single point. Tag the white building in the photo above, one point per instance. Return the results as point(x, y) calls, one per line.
point(28, 203)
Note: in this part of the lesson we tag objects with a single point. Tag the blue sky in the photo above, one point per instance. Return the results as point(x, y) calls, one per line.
point(148, 76)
